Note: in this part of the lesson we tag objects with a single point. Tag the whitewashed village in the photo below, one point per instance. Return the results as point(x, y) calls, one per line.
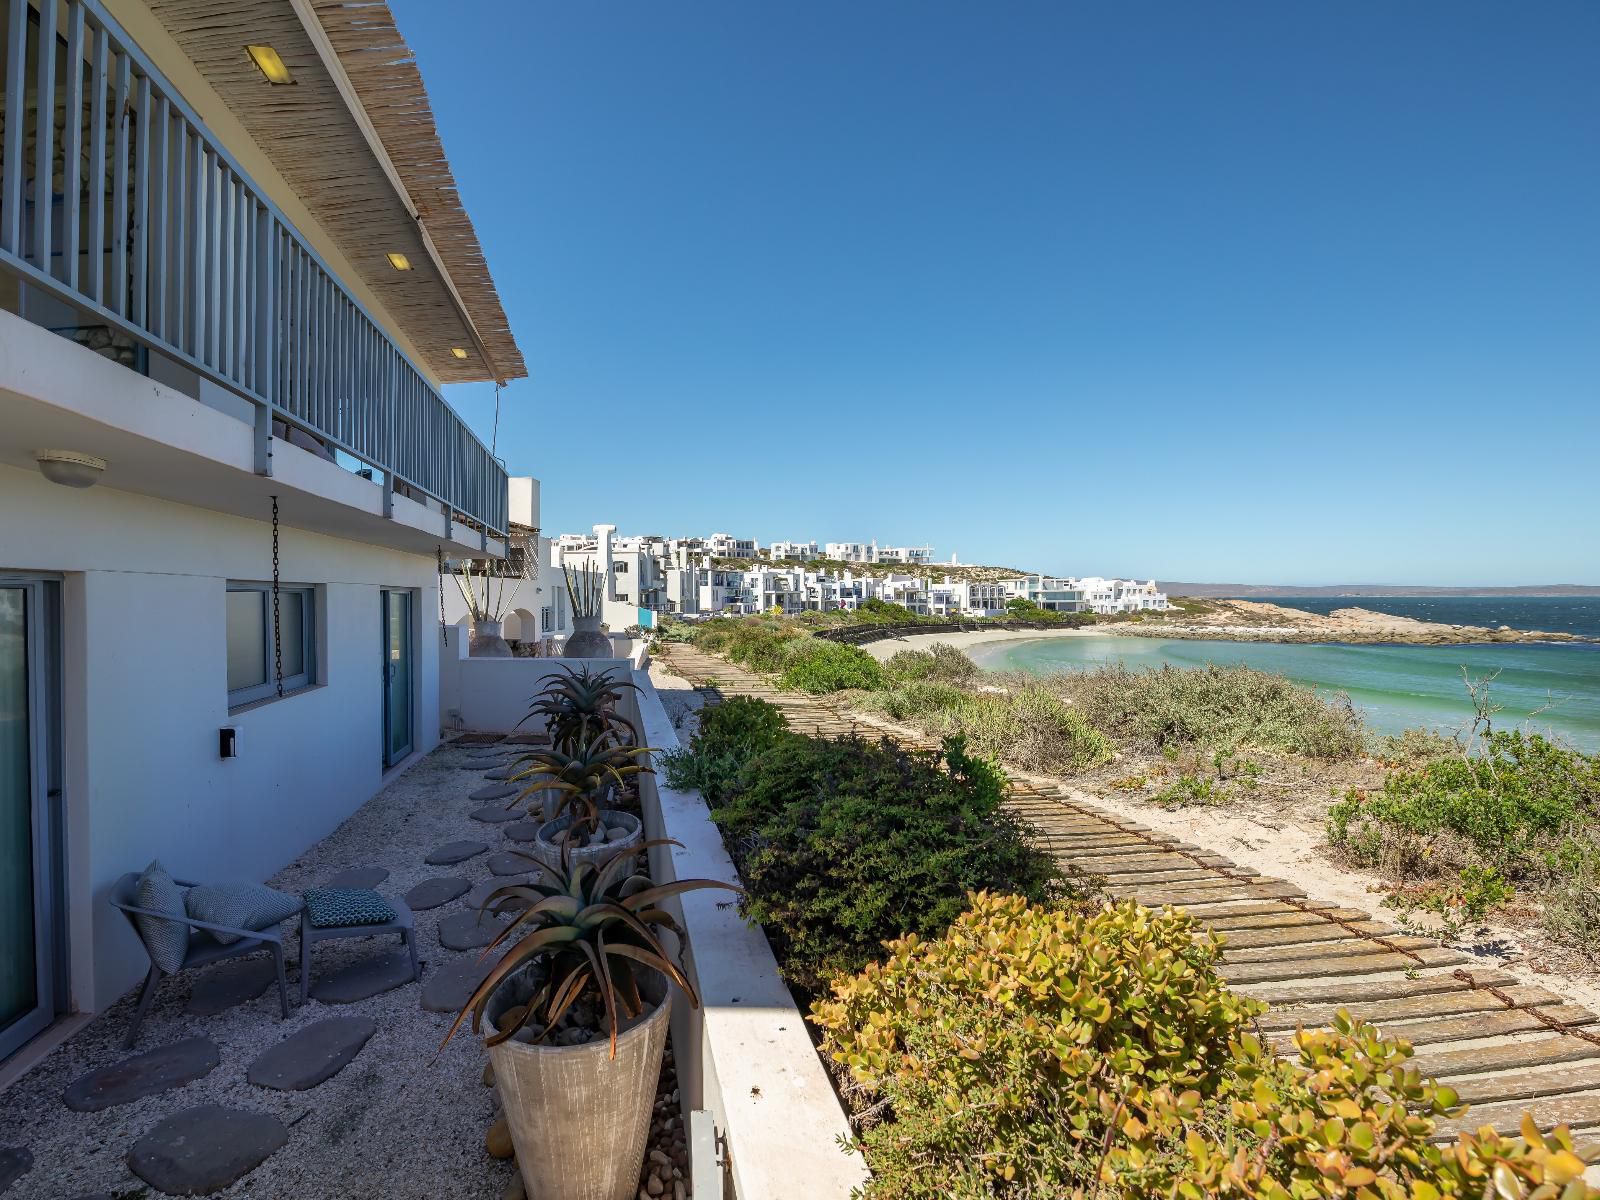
point(649, 577)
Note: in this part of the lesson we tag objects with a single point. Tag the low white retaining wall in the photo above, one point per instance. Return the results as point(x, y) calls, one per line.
point(756, 1070)
point(492, 694)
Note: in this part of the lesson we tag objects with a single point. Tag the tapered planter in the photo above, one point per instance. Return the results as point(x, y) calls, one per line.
point(587, 641)
point(579, 1119)
point(547, 842)
point(487, 641)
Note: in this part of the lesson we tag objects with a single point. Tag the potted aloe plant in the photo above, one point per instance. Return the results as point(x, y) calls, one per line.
point(586, 590)
point(580, 702)
point(578, 1012)
point(574, 789)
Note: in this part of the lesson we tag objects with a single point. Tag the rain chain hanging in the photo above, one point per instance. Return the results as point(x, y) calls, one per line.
point(444, 627)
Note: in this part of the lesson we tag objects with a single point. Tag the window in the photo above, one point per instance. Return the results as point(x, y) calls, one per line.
point(252, 658)
point(621, 568)
point(547, 621)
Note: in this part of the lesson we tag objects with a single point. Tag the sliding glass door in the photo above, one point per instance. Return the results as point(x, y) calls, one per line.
point(27, 924)
point(397, 686)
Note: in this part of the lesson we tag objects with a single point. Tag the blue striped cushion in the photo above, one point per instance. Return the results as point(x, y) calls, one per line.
point(242, 905)
point(166, 941)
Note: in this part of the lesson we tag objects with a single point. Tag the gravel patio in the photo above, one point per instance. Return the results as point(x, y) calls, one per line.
point(398, 1120)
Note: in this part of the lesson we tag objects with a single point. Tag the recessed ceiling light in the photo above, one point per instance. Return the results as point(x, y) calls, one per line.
point(458, 351)
point(399, 262)
point(270, 65)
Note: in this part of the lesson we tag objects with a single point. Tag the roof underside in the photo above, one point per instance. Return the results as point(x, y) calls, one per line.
point(319, 146)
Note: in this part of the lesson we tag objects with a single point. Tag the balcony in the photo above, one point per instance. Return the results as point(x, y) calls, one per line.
point(154, 246)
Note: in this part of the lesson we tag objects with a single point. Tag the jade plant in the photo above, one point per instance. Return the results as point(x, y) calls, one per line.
point(592, 929)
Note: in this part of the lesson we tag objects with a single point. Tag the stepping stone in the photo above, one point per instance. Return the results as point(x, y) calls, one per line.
point(495, 791)
point(158, 1070)
point(479, 896)
point(512, 862)
point(231, 984)
point(493, 814)
point(484, 764)
point(467, 931)
point(358, 877)
point(431, 893)
point(449, 988)
point(503, 773)
point(317, 1053)
point(202, 1150)
point(522, 831)
point(364, 978)
point(15, 1162)
point(453, 852)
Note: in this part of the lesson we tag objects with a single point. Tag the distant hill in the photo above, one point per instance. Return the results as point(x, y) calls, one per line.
point(1244, 590)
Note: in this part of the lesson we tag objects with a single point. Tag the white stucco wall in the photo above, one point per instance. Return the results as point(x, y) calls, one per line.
point(145, 692)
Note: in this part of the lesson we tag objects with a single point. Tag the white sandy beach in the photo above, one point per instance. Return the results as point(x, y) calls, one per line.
point(964, 639)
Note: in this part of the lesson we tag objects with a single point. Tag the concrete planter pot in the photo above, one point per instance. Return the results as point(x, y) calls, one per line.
point(587, 641)
point(487, 641)
point(579, 1120)
point(547, 842)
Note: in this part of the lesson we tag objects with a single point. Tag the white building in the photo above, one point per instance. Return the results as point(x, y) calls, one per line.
point(1111, 596)
point(960, 598)
point(871, 552)
point(1057, 595)
point(802, 551)
point(224, 646)
point(724, 545)
point(537, 616)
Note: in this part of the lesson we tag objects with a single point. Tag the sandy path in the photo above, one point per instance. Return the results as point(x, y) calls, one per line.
point(965, 639)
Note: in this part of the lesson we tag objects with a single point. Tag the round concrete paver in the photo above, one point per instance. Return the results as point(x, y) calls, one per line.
point(358, 877)
point(448, 989)
point(468, 931)
point(502, 773)
point(317, 1053)
point(15, 1162)
point(364, 978)
point(493, 814)
point(522, 831)
point(453, 852)
point(484, 764)
point(158, 1070)
point(512, 862)
point(495, 791)
point(230, 984)
point(431, 893)
point(479, 896)
point(202, 1150)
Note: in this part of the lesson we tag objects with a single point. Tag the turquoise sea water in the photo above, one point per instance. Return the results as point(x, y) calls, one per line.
point(1396, 687)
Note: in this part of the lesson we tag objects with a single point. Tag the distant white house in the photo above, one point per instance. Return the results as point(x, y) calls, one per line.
point(802, 551)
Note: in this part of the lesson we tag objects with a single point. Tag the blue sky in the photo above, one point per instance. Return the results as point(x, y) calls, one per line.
point(1236, 291)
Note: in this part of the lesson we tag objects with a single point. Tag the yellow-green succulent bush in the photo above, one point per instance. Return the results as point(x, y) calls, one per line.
point(1069, 1053)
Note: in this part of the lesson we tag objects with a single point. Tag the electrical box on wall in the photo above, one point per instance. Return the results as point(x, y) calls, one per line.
point(228, 741)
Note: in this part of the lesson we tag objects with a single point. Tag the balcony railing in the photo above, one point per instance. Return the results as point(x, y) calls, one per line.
point(115, 198)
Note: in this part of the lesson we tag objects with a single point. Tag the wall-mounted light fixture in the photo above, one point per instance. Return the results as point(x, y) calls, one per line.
point(269, 64)
point(69, 468)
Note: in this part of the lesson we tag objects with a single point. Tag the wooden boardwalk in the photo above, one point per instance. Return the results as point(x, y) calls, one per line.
point(1505, 1046)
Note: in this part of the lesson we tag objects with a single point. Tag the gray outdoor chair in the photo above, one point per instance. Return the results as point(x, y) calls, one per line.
point(202, 949)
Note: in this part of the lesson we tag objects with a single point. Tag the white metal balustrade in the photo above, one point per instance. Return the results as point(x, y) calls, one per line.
point(115, 198)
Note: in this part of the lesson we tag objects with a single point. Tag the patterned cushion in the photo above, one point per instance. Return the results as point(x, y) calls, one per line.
point(242, 905)
point(166, 941)
point(335, 908)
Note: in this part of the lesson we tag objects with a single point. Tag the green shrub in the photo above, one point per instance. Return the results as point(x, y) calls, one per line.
point(1519, 807)
point(819, 666)
point(844, 844)
point(730, 734)
point(1190, 789)
point(908, 666)
point(1046, 1053)
point(1218, 708)
point(1412, 747)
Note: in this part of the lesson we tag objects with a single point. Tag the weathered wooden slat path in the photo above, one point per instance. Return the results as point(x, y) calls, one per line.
point(1505, 1046)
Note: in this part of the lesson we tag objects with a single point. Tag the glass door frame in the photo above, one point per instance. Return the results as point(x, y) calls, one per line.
point(388, 596)
point(40, 615)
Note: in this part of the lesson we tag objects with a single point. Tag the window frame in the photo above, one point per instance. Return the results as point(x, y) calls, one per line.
point(256, 693)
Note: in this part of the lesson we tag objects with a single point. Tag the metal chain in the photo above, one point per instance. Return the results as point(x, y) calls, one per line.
point(277, 604)
point(444, 627)
point(1545, 1019)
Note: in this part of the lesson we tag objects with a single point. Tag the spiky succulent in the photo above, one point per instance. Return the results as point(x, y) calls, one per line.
point(580, 704)
point(591, 926)
point(580, 778)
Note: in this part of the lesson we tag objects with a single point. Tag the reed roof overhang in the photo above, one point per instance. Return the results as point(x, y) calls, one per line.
point(354, 136)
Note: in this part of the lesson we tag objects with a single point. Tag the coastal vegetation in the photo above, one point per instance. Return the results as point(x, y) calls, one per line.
point(1491, 820)
point(996, 1034)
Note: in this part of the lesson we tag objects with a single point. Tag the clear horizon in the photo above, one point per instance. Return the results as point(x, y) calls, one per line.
point(1201, 293)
